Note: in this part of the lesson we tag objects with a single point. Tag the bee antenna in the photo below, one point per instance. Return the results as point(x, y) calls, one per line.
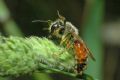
point(40, 21)
point(58, 13)
point(60, 16)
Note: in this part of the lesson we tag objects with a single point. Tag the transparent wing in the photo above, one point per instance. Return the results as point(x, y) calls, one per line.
point(89, 53)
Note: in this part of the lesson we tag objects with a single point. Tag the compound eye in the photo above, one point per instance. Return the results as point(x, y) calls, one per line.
point(62, 30)
point(54, 27)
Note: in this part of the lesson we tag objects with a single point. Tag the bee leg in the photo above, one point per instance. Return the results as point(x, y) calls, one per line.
point(75, 69)
point(81, 67)
point(78, 70)
point(67, 43)
point(64, 50)
point(75, 66)
point(63, 39)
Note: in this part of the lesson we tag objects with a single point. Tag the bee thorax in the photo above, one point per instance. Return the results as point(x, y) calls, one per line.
point(71, 28)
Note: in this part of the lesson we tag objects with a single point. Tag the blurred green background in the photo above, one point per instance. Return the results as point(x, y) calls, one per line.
point(98, 22)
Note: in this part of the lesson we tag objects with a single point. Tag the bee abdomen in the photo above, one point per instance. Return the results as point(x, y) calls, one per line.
point(81, 67)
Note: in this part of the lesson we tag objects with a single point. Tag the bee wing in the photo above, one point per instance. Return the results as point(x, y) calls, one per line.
point(60, 16)
point(89, 53)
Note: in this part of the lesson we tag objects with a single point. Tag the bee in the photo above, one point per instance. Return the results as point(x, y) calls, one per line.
point(69, 36)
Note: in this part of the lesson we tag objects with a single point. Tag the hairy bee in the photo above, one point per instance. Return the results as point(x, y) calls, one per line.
point(69, 36)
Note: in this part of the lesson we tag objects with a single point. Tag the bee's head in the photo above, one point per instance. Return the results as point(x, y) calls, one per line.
point(57, 27)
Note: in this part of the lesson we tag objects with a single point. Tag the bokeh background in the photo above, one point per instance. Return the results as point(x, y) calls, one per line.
point(98, 22)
